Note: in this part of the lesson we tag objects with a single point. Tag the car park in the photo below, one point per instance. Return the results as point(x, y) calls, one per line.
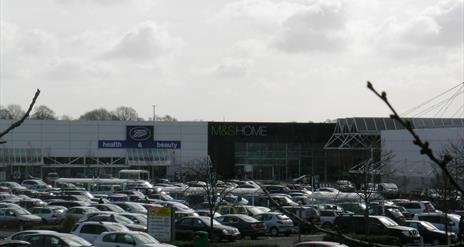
point(15, 217)
point(440, 219)
point(108, 207)
point(113, 217)
point(129, 239)
point(50, 214)
point(318, 244)
point(131, 207)
point(248, 226)
point(430, 233)
point(91, 230)
point(139, 219)
point(377, 225)
point(417, 207)
point(78, 213)
point(276, 223)
point(55, 239)
point(21, 234)
point(201, 223)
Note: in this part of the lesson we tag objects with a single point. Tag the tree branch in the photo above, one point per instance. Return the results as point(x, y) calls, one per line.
point(423, 145)
point(20, 121)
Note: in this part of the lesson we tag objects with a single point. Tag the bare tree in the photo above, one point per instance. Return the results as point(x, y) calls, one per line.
point(5, 114)
point(214, 194)
point(166, 118)
point(43, 113)
point(16, 111)
point(442, 162)
point(98, 114)
point(125, 113)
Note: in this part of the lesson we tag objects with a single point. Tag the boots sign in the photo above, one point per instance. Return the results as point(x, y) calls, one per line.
point(139, 137)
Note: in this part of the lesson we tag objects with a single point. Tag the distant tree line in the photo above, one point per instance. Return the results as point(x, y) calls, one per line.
point(42, 112)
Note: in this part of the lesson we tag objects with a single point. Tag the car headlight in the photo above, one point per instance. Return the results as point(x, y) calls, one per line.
point(224, 231)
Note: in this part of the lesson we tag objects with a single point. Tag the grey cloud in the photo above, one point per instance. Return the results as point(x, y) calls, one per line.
point(145, 41)
point(233, 67)
point(317, 28)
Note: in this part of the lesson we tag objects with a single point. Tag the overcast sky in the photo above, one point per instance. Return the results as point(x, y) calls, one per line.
point(232, 60)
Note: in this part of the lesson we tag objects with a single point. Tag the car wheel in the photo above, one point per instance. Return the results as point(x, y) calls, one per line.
point(274, 231)
point(437, 242)
point(44, 221)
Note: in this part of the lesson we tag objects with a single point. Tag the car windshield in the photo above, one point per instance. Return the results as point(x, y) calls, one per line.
point(387, 221)
point(144, 238)
point(282, 217)
point(248, 218)
point(74, 241)
point(20, 211)
point(117, 228)
point(429, 206)
point(137, 206)
point(208, 223)
point(429, 226)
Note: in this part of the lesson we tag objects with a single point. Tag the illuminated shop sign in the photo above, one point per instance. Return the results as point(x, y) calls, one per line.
point(233, 130)
point(139, 137)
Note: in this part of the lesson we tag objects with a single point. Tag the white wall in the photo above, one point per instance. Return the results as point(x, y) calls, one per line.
point(80, 138)
point(412, 170)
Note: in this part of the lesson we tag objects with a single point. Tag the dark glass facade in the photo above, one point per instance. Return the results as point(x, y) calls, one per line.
point(266, 151)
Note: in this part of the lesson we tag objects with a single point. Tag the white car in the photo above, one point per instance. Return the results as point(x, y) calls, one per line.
point(90, 230)
point(128, 239)
point(50, 214)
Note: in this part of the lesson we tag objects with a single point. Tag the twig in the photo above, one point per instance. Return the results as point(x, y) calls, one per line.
point(423, 145)
point(20, 121)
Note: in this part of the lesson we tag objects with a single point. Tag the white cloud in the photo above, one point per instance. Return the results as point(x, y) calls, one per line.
point(145, 41)
point(319, 27)
point(233, 67)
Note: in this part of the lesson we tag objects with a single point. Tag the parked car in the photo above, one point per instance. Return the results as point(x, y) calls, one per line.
point(327, 218)
point(113, 217)
point(378, 225)
point(391, 212)
point(91, 230)
point(30, 203)
point(206, 212)
point(304, 212)
point(248, 226)
point(318, 244)
point(131, 207)
point(430, 233)
point(439, 220)
point(67, 204)
point(35, 184)
point(201, 223)
point(55, 239)
point(50, 214)
point(276, 223)
point(21, 234)
point(353, 207)
point(78, 213)
point(344, 186)
point(14, 243)
point(139, 219)
point(108, 207)
point(417, 207)
point(123, 239)
point(15, 217)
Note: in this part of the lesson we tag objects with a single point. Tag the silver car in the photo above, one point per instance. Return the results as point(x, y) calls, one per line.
point(276, 223)
point(18, 217)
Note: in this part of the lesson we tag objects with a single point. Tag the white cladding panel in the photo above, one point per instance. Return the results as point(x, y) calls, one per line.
point(411, 169)
point(80, 138)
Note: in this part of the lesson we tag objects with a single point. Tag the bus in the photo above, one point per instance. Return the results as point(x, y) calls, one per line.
point(134, 174)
